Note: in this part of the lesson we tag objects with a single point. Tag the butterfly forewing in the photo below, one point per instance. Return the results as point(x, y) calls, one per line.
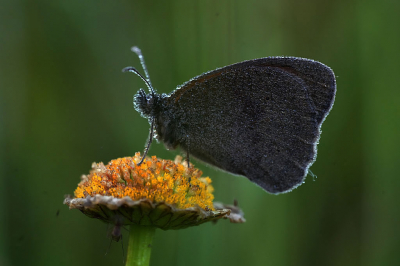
point(259, 118)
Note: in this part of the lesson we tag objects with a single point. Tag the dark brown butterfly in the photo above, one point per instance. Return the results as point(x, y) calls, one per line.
point(259, 118)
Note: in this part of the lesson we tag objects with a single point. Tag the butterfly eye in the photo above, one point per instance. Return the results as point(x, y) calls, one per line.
point(149, 100)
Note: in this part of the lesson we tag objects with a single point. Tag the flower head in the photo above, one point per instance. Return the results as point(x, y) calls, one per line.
point(159, 193)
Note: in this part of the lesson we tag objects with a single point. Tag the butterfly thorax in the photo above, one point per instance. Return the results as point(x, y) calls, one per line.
point(170, 126)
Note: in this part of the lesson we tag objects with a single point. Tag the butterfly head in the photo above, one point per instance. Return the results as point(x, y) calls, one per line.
point(146, 104)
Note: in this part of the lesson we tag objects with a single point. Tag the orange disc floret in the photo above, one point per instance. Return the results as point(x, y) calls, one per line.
point(155, 179)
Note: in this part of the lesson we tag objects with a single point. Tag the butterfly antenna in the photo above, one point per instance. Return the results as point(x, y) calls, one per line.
point(138, 52)
point(134, 70)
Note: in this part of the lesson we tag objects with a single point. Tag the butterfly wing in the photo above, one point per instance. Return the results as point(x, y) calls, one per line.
point(259, 118)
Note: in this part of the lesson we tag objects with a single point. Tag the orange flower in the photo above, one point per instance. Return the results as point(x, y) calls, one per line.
point(159, 193)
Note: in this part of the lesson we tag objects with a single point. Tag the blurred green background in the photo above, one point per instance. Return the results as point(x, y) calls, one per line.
point(65, 103)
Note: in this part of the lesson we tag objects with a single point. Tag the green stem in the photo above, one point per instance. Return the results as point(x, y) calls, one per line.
point(139, 245)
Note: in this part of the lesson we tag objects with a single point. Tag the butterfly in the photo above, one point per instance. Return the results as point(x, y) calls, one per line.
point(259, 118)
